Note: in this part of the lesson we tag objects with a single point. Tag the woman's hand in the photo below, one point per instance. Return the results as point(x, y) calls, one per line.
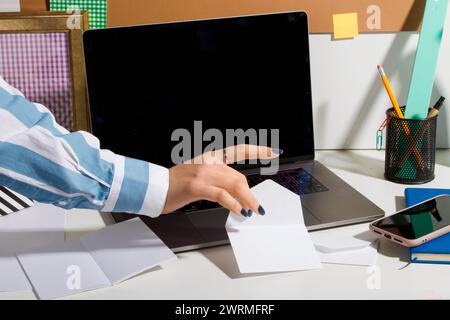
point(208, 177)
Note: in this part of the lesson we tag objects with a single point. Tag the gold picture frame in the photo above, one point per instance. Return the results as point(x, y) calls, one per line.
point(73, 25)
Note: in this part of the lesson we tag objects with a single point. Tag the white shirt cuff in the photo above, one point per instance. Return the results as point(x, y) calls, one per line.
point(156, 196)
point(119, 170)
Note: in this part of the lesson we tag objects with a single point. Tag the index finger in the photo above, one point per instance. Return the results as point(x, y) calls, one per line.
point(250, 152)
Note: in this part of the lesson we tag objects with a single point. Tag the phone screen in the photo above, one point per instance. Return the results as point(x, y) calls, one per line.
point(419, 220)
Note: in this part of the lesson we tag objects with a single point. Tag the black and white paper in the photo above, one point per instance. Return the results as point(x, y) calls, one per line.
point(11, 202)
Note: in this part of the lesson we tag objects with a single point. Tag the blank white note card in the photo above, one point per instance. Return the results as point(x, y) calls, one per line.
point(277, 241)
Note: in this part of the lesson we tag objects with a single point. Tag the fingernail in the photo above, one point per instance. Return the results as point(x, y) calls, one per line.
point(277, 151)
point(261, 210)
point(249, 213)
point(244, 213)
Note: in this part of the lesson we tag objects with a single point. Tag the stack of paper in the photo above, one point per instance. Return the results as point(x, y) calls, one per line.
point(97, 260)
point(277, 241)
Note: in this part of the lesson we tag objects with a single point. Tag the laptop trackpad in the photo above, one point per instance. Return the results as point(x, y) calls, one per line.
point(210, 224)
point(175, 230)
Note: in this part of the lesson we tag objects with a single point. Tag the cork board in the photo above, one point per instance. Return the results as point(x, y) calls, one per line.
point(33, 5)
point(373, 15)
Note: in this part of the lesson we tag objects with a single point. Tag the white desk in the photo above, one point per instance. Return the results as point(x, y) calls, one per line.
point(212, 273)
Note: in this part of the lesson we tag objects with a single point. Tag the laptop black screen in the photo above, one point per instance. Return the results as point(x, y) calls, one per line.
point(247, 72)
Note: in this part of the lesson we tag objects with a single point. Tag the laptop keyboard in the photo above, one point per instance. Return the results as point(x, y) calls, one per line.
point(298, 181)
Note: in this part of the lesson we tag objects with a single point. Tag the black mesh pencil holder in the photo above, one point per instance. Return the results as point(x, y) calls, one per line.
point(410, 149)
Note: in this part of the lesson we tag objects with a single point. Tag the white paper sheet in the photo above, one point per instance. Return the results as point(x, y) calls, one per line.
point(126, 249)
point(10, 6)
point(360, 257)
point(55, 270)
point(103, 258)
point(343, 239)
point(352, 245)
point(35, 226)
point(12, 277)
point(283, 207)
point(277, 241)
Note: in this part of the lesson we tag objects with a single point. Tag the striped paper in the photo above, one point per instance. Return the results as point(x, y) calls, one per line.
point(11, 202)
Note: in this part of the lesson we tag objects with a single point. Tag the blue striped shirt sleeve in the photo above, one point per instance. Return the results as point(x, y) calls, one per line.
point(45, 162)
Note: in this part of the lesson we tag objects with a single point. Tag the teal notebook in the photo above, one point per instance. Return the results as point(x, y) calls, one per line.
point(436, 251)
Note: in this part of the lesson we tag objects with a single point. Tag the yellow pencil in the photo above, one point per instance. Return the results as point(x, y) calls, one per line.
point(387, 85)
point(399, 113)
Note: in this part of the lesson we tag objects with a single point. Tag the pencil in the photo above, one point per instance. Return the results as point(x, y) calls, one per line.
point(399, 113)
point(387, 85)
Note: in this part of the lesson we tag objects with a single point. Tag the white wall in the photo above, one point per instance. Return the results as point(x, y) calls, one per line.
point(348, 96)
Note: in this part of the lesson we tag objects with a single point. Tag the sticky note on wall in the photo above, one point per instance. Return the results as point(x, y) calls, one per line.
point(345, 25)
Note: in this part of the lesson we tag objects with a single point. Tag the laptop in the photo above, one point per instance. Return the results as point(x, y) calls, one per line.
point(252, 72)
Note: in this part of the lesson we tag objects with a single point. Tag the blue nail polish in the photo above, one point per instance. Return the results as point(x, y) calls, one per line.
point(244, 213)
point(277, 151)
point(249, 213)
point(261, 210)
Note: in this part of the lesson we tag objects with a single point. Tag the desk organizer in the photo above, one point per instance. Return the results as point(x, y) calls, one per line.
point(410, 149)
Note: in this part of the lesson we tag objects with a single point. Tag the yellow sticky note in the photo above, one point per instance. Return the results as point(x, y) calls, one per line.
point(345, 25)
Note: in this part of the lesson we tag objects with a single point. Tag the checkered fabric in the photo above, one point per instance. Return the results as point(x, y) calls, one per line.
point(38, 64)
point(97, 9)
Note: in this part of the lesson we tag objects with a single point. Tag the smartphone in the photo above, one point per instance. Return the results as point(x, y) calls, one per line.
point(416, 225)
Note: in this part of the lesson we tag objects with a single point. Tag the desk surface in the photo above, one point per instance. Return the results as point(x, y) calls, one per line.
point(212, 273)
